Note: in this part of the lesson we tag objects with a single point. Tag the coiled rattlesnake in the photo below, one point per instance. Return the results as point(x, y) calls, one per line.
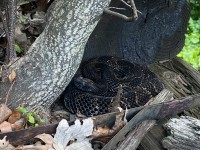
point(96, 84)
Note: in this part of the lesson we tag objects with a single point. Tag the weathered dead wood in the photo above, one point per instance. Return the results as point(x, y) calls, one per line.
point(27, 136)
point(184, 134)
point(135, 136)
point(152, 139)
point(152, 112)
point(149, 113)
point(180, 78)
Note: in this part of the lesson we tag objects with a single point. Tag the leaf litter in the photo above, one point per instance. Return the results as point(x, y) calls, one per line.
point(67, 137)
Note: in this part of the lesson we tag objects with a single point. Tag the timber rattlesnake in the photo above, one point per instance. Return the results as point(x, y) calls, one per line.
point(96, 84)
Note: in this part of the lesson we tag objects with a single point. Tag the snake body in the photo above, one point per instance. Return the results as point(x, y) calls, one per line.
point(96, 84)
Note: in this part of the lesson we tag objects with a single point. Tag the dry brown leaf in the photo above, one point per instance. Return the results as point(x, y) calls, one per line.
point(103, 130)
point(12, 76)
point(18, 125)
point(5, 112)
point(16, 115)
point(40, 147)
point(5, 127)
point(46, 138)
point(5, 145)
point(20, 147)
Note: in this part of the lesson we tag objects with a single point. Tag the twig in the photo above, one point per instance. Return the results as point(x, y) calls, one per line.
point(134, 9)
point(4, 23)
point(124, 17)
point(6, 29)
point(139, 11)
point(126, 3)
point(3, 34)
point(9, 27)
point(13, 9)
point(117, 8)
point(130, 6)
point(3, 72)
point(116, 100)
point(8, 93)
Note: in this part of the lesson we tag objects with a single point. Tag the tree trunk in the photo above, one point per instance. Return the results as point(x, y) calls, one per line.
point(47, 68)
point(158, 34)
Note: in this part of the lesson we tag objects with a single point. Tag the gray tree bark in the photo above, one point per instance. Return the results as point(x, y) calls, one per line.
point(54, 57)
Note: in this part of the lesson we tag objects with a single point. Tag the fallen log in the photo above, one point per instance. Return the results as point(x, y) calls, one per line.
point(135, 136)
point(182, 80)
point(154, 113)
point(184, 134)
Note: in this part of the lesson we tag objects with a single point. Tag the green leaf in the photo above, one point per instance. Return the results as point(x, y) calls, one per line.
point(22, 110)
point(42, 120)
point(194, 39)
point(18, 49)
point(191, 51)
point(31, 119)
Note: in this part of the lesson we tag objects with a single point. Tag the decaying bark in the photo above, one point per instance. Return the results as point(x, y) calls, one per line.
point(184, 134)
point(182, 80)
point(54, 57)
point(153, 112)
point(135, 136)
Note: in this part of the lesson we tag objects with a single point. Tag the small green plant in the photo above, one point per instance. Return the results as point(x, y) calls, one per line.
point(18, 49)
point(31, 118)
point(191, 51)
point(195, 7)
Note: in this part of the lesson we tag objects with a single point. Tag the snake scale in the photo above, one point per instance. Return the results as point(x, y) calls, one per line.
point(97, 81)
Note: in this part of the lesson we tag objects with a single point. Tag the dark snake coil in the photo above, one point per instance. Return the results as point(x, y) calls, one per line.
point(97, 82)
